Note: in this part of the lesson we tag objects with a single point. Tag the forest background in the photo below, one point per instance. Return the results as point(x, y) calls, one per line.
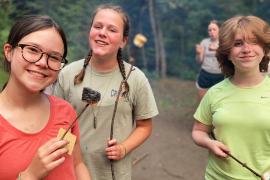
point(172, 27)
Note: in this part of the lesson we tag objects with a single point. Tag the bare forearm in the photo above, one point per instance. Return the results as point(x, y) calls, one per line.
point(199, 58)
point(201, 138)
point(199, 53)
point(200, 134)
point(139, 135)
point(82, 172)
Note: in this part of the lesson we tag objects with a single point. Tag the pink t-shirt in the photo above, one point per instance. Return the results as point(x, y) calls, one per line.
point(18, 148)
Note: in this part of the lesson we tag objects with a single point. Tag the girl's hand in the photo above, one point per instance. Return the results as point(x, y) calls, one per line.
point(115, 150)
point(49, 156)
point(199, 48)
point(218, 148)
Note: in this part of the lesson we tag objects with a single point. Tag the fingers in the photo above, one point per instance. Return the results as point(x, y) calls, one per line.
point(55, 163)
point(51, 146)
point(56, 153)
point(219, 149)
point(111, 142)
point(49, 156)
point(53, 151)
point(115, 151)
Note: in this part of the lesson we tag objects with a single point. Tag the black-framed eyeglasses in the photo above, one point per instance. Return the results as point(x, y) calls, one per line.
point(33, 54)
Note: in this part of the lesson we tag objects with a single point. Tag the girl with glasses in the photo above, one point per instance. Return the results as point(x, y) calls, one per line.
point(30, 120)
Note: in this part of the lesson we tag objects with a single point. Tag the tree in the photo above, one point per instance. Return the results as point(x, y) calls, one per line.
point(160, 54)
point(6, 7)
point(171, 33)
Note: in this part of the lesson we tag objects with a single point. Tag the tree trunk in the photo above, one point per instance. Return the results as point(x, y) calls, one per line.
point(162, 52)
point(144, 59)
point(151, 4)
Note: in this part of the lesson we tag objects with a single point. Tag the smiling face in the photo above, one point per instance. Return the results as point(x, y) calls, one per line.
point(34, 76)
point(106, 34)
point(246, 53)
point(243, 43)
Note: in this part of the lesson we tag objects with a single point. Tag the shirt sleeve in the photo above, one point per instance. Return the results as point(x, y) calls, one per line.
point(145, 105)
point(203, 113)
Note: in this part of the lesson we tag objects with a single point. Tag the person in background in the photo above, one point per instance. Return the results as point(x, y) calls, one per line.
point(30, 120)
point(210, 73)
point(103, 70)
point(236, 110)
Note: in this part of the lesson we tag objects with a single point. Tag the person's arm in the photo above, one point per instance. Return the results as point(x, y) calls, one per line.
point(142, 131)
point(200, 135)
point(81, 170)
point(199, 53)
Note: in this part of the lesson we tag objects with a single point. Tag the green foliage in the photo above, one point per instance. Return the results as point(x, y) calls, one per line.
point(184, 23)
point(3, 77)
point(5, 8)
point(151, 74)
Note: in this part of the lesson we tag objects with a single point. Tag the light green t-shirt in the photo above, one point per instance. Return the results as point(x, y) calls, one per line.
point(94, 140)
point(241, 120)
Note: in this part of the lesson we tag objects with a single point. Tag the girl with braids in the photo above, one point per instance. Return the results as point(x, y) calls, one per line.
point(236, 110)
point(103, 70)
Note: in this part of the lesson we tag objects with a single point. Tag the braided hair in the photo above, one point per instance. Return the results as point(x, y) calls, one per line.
point(79, 77)
point(122, 68)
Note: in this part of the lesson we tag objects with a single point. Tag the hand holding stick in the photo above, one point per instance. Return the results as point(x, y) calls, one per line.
point(115, 109)
point(238, 161)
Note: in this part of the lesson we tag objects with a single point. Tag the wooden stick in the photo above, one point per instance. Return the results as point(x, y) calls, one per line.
point(117, 99)
point(114, 112)
point(244, 165)
point(71, 125)
point(237, 160)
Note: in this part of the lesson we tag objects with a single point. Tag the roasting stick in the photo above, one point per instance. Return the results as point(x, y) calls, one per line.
point(114, 112)
point(91, 97)
point(238, 161)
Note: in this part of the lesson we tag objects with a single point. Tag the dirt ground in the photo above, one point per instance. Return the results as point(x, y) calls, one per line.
point(170, 154)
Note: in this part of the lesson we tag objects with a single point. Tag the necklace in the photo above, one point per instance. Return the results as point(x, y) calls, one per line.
point(96, 107)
